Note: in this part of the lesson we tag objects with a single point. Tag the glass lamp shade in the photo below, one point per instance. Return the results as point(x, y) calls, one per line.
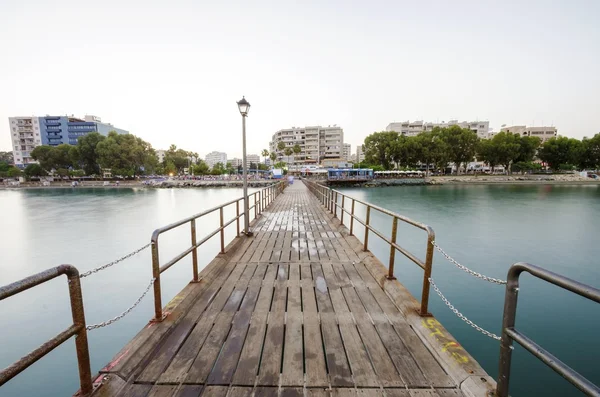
point(243, 106)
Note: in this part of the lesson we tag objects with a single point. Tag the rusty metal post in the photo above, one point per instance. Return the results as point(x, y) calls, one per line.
point(427, 273)
point(81, 342)
point(237, 217)
point(367, 220)
point(342, 210)
point(352, 219)
point(194, 252)
point(390, 275)
point(158, 315)
point(222, 232)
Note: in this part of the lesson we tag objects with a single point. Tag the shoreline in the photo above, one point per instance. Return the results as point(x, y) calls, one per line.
point(431, 181)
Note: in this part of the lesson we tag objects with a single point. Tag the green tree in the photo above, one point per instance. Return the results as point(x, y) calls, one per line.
point(34, 170)
point(14, 172)
point(561, 153)
point(230, 169)
point(379, 148)
point(590, 153)
point(43, 155)
point(4, 166)
point(488, 153)
point(88, 157)
point(528, 148)
point(170, 168)
point(273, 156)
point(218, 169)
point(280, 146)
point(506, 147)
point(462, 144)
point(6, 157)
point(126, 155)
point(201, 168)
point(179, 157)
point(431, 149)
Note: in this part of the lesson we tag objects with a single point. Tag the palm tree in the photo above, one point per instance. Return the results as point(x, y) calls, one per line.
point(273, 157)
point(296, 149)
point(288, 152)
point(265, 153)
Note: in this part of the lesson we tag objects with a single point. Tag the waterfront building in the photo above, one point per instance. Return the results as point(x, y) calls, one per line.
point(544, 133)
point(215, 157)
point(317, 143)
point(360, 155)
point(347, 152)
point(250, 159)
point(29, 132)
point(414, 128)
point(161, 155)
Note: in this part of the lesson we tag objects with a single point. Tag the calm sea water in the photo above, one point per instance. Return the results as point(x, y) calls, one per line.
point(484, 227)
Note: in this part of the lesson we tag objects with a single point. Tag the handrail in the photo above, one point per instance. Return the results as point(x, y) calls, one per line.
point(329, 198)
point(77, 328)
point(510, 334)
point(261, 199)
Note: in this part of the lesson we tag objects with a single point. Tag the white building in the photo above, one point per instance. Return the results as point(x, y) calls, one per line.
point(414, 128)
point(250, 159)
point(544, 133)
point(161, 155)
point(360, 155)
point(316, 143)
point(347, 152)
point(215, 157)
point(25, 134)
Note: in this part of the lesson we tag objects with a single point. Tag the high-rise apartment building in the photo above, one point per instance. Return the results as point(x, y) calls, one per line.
point(250, 159)
point(347, 152)
point(316, 143)
point(216, 157)
point(29, 132)
point(360, 155)
point(414, 128)
point(544, 133)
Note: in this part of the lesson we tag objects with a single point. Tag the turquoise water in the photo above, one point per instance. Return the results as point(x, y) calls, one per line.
point(487, 228)
point(484, 227)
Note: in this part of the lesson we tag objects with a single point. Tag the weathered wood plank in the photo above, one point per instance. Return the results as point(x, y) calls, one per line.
point(360, 364)
point(339, 370)
point(189, 391)
point(316, 372)
point(215, 391)
point(293, 360)
point(270, 364)
point(135, 390)
point(245, 373)
point(162, 391)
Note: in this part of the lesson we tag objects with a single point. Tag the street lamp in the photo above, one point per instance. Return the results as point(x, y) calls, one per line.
point(244, 107)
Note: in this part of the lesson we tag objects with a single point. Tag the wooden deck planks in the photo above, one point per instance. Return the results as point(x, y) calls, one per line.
point(292, 312)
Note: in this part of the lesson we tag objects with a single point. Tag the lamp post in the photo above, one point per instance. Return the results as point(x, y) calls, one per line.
point(244, 107)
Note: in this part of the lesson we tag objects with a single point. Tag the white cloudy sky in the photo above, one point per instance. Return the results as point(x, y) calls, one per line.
point(171, 71)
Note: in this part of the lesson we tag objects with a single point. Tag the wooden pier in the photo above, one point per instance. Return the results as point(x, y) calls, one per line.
point(299, 309)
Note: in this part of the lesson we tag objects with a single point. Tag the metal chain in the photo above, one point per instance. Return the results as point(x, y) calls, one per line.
point(126, 312)
point(460, 315)
point(466, 269)
point(96, 270)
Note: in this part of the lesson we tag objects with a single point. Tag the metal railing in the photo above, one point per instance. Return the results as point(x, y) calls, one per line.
point(78, 328)
point(510, 334)
point(261, 198)
point(330, 197)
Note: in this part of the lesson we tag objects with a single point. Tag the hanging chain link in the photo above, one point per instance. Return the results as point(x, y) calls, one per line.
point(126, 312)
point(466, 269)
point(96, 270)
point(460, 315)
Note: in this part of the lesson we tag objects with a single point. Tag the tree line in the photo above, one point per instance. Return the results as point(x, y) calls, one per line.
point(441, 146)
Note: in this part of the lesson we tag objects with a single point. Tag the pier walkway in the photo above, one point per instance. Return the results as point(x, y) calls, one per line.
point(299, 309)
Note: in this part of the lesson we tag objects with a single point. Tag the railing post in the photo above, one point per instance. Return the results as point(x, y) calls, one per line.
point(255, 206)
point(158, 315)
point(194, 252)
point(427, 273)
point(390, 275)
point(352, 219)
point(335, 204)
point(237, 217)
point(222, 231)
point(342, 210)
point(81, 342)
point(508, 321)
point(367, 221)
